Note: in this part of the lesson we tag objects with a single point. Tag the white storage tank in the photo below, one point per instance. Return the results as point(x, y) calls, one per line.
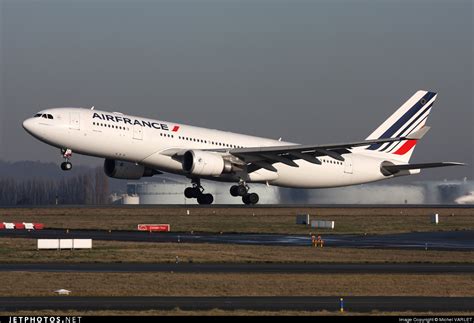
point(130, 199)
point(171, 191)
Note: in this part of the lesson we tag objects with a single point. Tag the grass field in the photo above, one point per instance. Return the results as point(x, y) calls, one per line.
point(215, 220)
point(236, 284)
point(265, 220)
point(24, 250)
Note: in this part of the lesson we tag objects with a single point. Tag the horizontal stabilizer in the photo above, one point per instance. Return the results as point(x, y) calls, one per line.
point(417, 135)
point(393, 169)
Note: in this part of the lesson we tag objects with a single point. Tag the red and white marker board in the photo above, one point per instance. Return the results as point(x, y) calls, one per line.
point(21, 226)
point(154, 227)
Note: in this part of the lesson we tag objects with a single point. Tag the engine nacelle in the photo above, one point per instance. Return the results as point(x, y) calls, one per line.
point(203, 163)
point(126, 170)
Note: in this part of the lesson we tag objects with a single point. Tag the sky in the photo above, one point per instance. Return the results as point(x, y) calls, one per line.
point(312, 72)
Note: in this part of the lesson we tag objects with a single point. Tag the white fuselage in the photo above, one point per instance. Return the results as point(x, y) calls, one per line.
point(144, 141)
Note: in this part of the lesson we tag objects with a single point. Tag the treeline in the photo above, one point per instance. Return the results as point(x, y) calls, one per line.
point(91, 187)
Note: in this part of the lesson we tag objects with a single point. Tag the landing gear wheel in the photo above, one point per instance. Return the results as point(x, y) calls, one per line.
point(197, 192)
point(234, 190)
point(66, 166)
point(205, 199)
point(192, 192)
point(66, 153)
point(251, 198)
point(209, 198)
point(242, 190)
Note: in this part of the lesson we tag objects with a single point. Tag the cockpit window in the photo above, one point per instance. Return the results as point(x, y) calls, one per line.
point(44, 116)
point(50, 116)
point(37, 115)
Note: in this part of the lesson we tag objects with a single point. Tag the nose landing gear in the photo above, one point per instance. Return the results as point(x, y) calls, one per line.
point(197, 192)
point(243, 190)
point(66, 153)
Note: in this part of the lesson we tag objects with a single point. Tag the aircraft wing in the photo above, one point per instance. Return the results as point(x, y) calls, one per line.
point(264, 157)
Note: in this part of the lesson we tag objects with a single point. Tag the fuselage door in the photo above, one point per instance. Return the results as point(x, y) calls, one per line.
point(75, 120)
point(347, 164)
point(137, 132)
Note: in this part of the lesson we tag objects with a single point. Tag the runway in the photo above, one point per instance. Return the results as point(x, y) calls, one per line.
point(244, 268)
point(439, 240)
point(328, 303)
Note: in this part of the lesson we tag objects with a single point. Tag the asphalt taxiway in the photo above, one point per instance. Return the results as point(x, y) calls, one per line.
point(328, 303)
point(439, 240)
point(243, 268)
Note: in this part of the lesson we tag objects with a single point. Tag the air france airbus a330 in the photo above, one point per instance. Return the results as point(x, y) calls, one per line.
point(134, 147)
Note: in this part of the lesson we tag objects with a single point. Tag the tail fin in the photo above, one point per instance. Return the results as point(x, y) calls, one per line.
point(410, 117)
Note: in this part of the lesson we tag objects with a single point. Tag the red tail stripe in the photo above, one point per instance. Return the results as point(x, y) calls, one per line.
point(406, 147)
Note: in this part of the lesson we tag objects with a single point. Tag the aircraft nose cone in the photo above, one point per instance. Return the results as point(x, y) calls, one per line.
point(28, 125)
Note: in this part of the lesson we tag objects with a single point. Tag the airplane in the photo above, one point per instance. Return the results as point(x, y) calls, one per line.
point(135, 147)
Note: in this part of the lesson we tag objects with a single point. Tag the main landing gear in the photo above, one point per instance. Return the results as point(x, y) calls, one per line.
point(197, 192)
point(243, 190)
point(66, 153)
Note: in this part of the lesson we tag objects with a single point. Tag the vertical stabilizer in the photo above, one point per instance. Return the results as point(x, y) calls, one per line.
point(410, 117)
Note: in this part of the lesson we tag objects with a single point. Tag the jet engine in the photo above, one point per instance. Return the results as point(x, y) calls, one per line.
point(203, 163)
point(126, 170)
